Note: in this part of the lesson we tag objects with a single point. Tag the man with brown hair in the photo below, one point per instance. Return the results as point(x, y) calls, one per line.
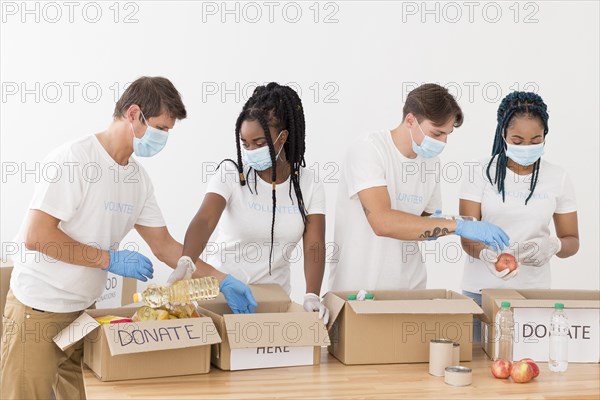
point(390, 184)
point(72, 232)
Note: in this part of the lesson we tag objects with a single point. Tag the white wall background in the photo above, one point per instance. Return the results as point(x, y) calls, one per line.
point(353, 72)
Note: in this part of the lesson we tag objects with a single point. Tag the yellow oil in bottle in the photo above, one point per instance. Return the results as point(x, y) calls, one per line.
point(184, 292)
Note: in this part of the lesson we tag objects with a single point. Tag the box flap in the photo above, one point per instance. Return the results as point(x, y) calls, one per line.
point(275, 329)
point(139, 337)
point(433, 306)
point(334, 304)
point(76, 331)
point(540, 303)
point(541, 298)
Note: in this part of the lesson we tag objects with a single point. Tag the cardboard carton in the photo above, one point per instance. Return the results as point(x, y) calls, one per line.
point(397, 326)
point(532, 310)
point(118, 291)
point(280, 334)
point(146, 349)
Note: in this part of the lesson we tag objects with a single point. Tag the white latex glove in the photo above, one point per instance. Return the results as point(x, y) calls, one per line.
point(184, 270)
point(538, 251)
point(312, 302)
point(489, 258)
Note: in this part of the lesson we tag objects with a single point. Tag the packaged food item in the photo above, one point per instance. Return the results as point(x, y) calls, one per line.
point(112, 319)
point(146, 313)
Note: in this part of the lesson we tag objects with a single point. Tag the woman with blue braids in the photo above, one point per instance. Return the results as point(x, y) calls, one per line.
point(519, 191)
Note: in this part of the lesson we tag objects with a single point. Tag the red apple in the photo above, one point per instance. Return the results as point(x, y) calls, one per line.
point(521, 372)
point(505, 261)
point(501, 369)
point(533, 365)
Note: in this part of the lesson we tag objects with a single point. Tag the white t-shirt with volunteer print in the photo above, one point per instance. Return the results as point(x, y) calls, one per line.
point(241, 243)
point(362, 259)
point(98, 202)
point(553, 194)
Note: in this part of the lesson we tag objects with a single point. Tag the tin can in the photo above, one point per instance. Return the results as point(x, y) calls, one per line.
point(458, 376)
point(440, 356)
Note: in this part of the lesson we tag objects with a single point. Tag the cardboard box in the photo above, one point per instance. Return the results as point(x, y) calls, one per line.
point(146, 349)
point(118, 291)
point(532, 310)
point(280, 334)
point(397, 326)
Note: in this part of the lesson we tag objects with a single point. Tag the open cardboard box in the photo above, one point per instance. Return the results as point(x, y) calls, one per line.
point(398, 325)
point(145, 349)
point(280, 334)
point(532, 311)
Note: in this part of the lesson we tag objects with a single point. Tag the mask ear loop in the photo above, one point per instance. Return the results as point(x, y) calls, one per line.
point(411, 135)
point(145, 122)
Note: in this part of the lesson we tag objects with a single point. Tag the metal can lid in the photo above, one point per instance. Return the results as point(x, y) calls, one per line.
point(442, 341)
point(458, 368)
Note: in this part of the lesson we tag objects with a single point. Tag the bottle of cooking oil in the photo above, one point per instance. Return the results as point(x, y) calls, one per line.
point(184, 292)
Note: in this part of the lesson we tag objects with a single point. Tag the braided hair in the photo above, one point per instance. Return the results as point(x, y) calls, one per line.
point(515, 104)
point(279, 106)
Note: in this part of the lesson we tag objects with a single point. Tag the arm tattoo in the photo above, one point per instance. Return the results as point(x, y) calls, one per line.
point(437, 232)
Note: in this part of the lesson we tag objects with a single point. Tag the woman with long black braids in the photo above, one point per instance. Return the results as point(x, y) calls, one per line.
point(264, 202)
point(521, 192)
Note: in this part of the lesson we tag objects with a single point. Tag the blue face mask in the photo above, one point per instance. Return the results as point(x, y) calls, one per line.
point(429, 147)
point(524, 155)
point(153, 141)
point(260, 159)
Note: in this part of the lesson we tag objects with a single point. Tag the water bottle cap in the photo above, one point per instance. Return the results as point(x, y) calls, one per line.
point(559, 306)
point(137, 297)
point(505, 304)
point(369, 296)
point(352, 296)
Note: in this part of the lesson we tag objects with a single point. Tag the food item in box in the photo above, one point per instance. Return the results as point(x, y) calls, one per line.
point(184, 292)
point(146, 313)
point(112, 319)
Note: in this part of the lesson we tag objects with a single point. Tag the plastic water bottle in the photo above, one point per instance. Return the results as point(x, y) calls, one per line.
point(506, 322)
point(184, 292)
point(559, 340)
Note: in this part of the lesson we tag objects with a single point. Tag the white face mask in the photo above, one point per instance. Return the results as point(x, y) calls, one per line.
point(153, 141)
point(260, 159)
point(429, 147)
point(524, 155)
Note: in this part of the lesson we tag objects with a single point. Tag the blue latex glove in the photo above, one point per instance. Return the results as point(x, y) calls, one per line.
point(490, 234)
point(130, 264)
point(238, 296)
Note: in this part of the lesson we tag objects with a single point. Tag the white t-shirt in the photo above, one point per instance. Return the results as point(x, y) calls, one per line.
point(553, 194)
point(241, 243)
point(365, 260)
point(98, 202)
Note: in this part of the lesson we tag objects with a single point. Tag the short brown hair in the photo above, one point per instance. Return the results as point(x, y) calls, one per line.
point(154, 95)
point(433, 102)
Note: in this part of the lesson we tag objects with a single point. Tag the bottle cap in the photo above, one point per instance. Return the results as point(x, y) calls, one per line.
point(137, 297)
point(369, 296)
point(352, 296)
point(559, 306)
point(505, 304)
